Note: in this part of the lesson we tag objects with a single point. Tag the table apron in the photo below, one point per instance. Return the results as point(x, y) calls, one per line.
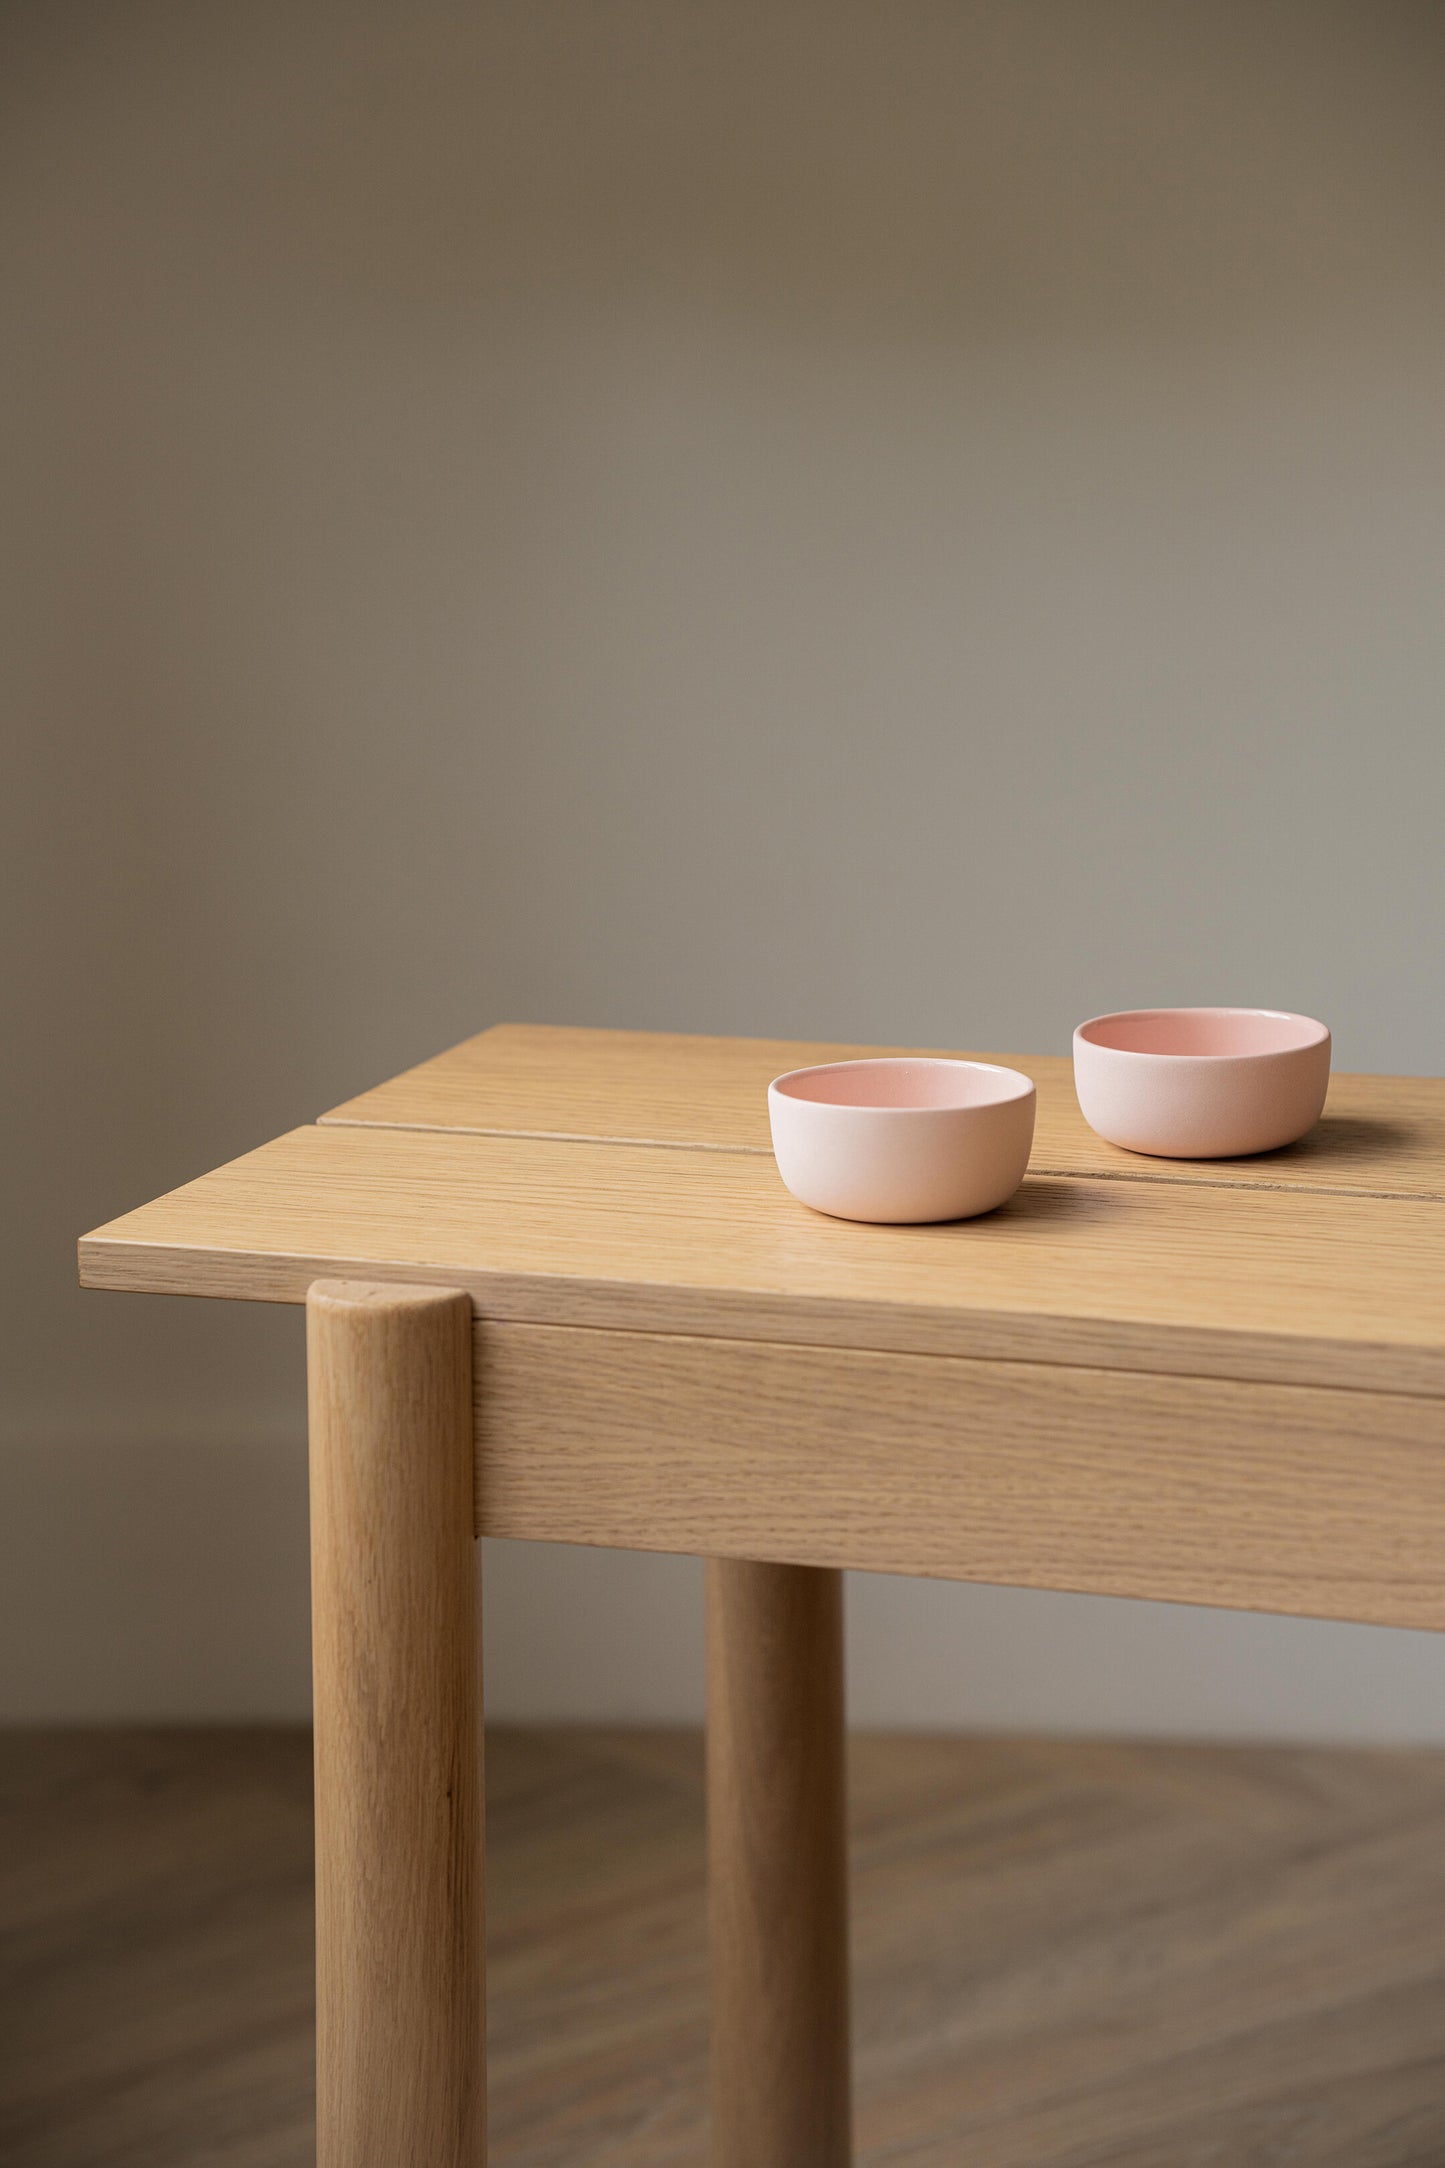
point(1314, 1500)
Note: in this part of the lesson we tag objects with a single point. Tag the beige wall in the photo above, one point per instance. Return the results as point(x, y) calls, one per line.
point(904, 521)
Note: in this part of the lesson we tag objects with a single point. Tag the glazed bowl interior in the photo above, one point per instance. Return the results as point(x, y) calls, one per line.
point(1224, 1034)
point(899, 1084)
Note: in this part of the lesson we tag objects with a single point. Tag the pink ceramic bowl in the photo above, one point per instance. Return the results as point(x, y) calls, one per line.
point(902, 1139)
point(1201, 1083)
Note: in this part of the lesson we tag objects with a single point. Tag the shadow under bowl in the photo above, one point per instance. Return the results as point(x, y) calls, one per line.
point(1201, 1083)
point(900, 1139)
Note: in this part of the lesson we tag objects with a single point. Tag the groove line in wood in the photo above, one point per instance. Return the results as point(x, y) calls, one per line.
point(1206, 1178)
point(1380, 1135)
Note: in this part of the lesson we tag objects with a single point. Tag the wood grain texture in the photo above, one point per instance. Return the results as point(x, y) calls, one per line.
point(777, 1867)
point(1381, 1135)
point(1065, 1954)
point(1298, 1499)
point(401, 2017)
point(1294, 1287)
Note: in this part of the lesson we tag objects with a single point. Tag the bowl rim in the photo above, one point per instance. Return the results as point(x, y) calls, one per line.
point(1317, 1034)
point(1023, 1087)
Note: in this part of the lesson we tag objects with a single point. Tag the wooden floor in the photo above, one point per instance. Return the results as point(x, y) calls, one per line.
point(1066, 1956)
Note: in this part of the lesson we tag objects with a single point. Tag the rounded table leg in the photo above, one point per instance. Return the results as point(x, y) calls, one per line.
point(400, 1997)
point(778, 1861)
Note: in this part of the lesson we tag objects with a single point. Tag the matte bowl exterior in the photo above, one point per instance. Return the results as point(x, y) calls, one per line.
point(903, 1165)
point(1203, 1105)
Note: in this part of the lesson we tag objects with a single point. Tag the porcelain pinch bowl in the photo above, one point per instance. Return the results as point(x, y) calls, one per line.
point(902, 1139)
point(1201, 1083)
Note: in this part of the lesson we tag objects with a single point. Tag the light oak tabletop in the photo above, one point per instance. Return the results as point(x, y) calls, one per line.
point(1381, 1135)
point(624, 1179)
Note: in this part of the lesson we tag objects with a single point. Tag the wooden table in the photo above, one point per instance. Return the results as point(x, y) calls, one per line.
point(555, 1290)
